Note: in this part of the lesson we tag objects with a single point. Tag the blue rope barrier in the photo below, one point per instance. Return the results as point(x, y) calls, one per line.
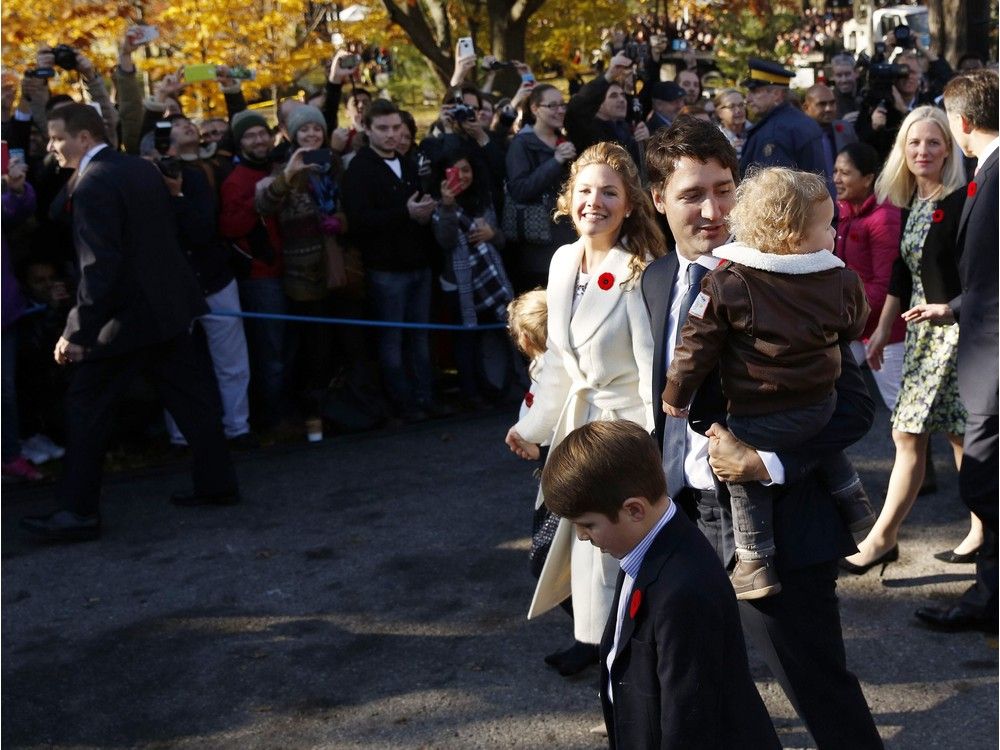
point(364, 323)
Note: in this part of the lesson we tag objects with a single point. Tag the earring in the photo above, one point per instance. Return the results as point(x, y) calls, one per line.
point(628, 214)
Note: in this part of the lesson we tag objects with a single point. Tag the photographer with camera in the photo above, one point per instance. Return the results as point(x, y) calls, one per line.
point(345, 141)
point(601, 109)
point(895, 89)
point(196, 210)
point(304, 196)
point(256, 245)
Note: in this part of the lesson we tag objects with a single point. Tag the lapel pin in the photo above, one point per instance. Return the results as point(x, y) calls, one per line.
point(972, 189)
point(605, 281)
point(634, 605)
point(938, 216)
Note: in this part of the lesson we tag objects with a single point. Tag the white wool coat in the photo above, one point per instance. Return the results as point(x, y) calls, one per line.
point(598, 365)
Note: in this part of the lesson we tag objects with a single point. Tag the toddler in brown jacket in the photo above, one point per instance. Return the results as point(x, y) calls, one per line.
point(771, 317)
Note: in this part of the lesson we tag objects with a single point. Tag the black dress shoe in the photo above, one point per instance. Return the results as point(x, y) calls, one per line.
point(63, 526)
point(951, 556)
point(573, 660)
point(957, 618)
point(889, 556)
point(192, 499)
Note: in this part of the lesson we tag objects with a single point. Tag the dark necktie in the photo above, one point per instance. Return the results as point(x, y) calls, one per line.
point(675, 429)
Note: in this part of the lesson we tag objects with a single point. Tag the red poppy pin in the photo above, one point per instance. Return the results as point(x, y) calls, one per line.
point(529, 399)
point(634, 605)
point(938, 216)
point(605, 281)
point(853, 236)
point(971, 191)
point(839, 127)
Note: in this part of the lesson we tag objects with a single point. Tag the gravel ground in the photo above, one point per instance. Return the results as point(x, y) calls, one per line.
point(370, 593)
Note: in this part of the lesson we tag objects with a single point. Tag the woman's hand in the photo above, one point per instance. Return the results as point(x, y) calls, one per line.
point(521, 447)
point(481, 232)
point(17, 173)
point(939, 314)
point(565, 152)
point(874, 352)
point(447, 194)
point(296, 164)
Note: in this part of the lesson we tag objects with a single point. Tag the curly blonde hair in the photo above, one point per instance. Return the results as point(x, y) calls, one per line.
point(774, 207)
point(528, 321)
point(640, 234)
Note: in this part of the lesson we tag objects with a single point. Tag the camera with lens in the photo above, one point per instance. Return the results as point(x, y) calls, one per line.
point(65, 56)
point(169, 166)
point(878, 79)
point(904, 38)
point(463, 113)
point(507, 116)
point(498, 65)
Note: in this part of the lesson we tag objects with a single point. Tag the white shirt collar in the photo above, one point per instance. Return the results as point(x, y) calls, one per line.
point(633, 560)
point(85, 161)
point(990, 148)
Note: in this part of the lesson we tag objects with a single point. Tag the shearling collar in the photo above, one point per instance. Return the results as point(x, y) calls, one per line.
point(822, 260)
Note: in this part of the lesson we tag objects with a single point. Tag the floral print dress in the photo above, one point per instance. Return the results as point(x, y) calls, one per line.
point(928, 395)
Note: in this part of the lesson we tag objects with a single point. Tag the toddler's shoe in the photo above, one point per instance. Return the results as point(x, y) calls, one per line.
point(755, 579)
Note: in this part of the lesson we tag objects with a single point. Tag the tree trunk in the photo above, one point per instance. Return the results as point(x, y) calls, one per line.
point(977, 28)
point(949, 27)
point(436, 49)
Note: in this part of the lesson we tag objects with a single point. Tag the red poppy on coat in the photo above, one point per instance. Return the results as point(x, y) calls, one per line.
point(854, 236)
point(605, 281)
point(634, 605)
point(529, 399)
point(839, 127)
point(972, 189)
point(938, 216)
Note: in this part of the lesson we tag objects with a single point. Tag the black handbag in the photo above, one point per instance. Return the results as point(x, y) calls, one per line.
point(543, 529)
point(527, 223)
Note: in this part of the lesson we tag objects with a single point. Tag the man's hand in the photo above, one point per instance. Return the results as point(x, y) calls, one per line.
point(939, 314)
point(521, 447)
point(640, 132)
point(731, 460)
point(33, 90)
point(673, 411)
point(420, 209)
point(65, 352)
point(85, 66)
point(224, 78)
point(175, 185)
point(619, 67)
point(878, 117)
point(338, 139)
point(463, 66)
point(338, 73)
point(296, 164)
point(474, 129)
point(44, 57)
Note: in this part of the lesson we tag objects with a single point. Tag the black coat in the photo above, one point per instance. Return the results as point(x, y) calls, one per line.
point(976, 306)
point(135, 288)
point(938, 256)
point(375, 203)
point(584, 128)
point(680, 676)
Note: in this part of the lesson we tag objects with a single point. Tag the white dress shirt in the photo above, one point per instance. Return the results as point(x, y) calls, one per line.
point(85, 161)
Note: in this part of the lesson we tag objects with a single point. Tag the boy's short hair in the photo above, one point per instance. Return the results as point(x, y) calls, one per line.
point(774, 207)
point(379, 108)
point(974, 96)
point(528, 319)
point(597, 467)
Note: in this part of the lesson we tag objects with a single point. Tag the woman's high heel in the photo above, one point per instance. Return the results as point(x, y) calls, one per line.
point(889, 556)
point(961, 558)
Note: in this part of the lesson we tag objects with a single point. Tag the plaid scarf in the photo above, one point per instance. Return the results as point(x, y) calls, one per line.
point(483, 286)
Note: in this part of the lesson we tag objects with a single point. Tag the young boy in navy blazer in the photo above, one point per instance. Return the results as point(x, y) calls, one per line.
point(674, 670)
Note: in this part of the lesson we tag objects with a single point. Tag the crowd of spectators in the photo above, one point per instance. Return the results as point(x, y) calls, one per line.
point(347, 210)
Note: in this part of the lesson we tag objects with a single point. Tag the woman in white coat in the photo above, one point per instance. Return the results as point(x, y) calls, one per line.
point(597, 365)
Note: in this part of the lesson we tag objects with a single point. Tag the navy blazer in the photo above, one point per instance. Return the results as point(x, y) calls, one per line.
point(808, 529)
point(938, 257)
point(136, 288)
point(680, 677)
point(976, 306)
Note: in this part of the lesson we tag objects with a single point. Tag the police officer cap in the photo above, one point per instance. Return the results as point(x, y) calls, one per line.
point(766, 73)
point(666, 91)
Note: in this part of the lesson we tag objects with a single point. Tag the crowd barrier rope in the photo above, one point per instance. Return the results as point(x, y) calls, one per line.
point(354, 322)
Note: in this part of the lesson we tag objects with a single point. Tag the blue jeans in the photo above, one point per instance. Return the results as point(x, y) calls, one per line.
point(266, 343)
point(404, 296)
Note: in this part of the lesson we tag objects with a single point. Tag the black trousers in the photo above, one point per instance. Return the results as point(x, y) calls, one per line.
point(188, 393)
point(979, 486)
point(798, 633)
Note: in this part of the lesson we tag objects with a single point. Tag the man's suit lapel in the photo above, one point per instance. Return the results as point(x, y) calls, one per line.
point(652, 565)
point(597, 302)
point(658, 291)
point(981, 177)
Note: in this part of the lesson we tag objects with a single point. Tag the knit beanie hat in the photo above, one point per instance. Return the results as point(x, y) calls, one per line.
point(302, 115)
point(243, 121)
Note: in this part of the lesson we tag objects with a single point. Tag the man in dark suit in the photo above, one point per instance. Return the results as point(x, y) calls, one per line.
point(136, 299)
point(820, 104)
point(674, 665)
point(692, 172)
point(971, 101)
